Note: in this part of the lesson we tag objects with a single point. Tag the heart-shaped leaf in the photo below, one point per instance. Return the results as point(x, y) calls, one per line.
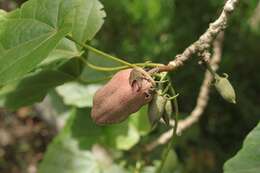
point(72, 150)
point(247, 160)
point(32, 88)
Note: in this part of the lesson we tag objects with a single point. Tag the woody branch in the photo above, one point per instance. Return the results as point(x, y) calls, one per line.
point(202, 99)
point(206, 39)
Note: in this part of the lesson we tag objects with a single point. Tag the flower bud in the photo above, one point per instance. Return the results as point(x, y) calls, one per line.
point(118, 99)
point(156, 109)
point(225, 88)
point(168, 112)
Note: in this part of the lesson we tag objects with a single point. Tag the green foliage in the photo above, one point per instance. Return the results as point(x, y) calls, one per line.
point(32, 88)
point(64, 51)
point(122, 139)
point(73, 150)
point(40, 29)
point(35, 57)
point(32, 39)
point(141, 122)
point(70, 152)
point(171, 163)
point(248, 158)
point(19, 56)
point(88, 20)
point(30, 34)
point(2, 15)
point(35, 86)
point(79, 95)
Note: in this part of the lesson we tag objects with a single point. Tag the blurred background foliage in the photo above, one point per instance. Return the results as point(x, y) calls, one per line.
point(157, 30)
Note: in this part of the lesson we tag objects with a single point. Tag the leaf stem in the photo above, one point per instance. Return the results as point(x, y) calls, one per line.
point(103, 54)
point(108, 69)
point(209, 68)
point(100, 68)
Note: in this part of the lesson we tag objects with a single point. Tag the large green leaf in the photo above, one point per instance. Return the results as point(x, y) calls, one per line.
point(121, 136)
point(79, 95)
point(72, 150)
point(89, 19)
point(32, 88)
point(74, 67)
point(32, 32)
point(2, 18)
point(56, 14)
point(25, 43)
point(247, 160)
point(2, 14)
point(141, 122)
point(171, 163)
point(64, 51)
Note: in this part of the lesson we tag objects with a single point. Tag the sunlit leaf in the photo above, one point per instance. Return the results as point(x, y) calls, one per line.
point(25, 43)
point(140, 121)
point(88, 20)
point(32, 88)
point(76, 94)
point(247, 160)
point(72, 150)
point(121, 136)
point(31, 33)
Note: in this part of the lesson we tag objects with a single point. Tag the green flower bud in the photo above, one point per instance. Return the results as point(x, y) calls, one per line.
point(225, 88)
point(156, 109)
point(167, 113)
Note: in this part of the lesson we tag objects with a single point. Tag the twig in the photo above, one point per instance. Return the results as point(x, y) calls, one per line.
point(201, 101)
point(205, 40)
point(203, 97)
point(201, 46)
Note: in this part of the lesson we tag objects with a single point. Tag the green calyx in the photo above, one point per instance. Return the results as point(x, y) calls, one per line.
point(161, 106)
point(156, 109)
point(167, 112)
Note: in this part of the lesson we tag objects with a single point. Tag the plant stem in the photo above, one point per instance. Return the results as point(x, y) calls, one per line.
point(103, 54)
point(107, 69)
point(100, 68)
point(149, 64)
point(209, 68)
